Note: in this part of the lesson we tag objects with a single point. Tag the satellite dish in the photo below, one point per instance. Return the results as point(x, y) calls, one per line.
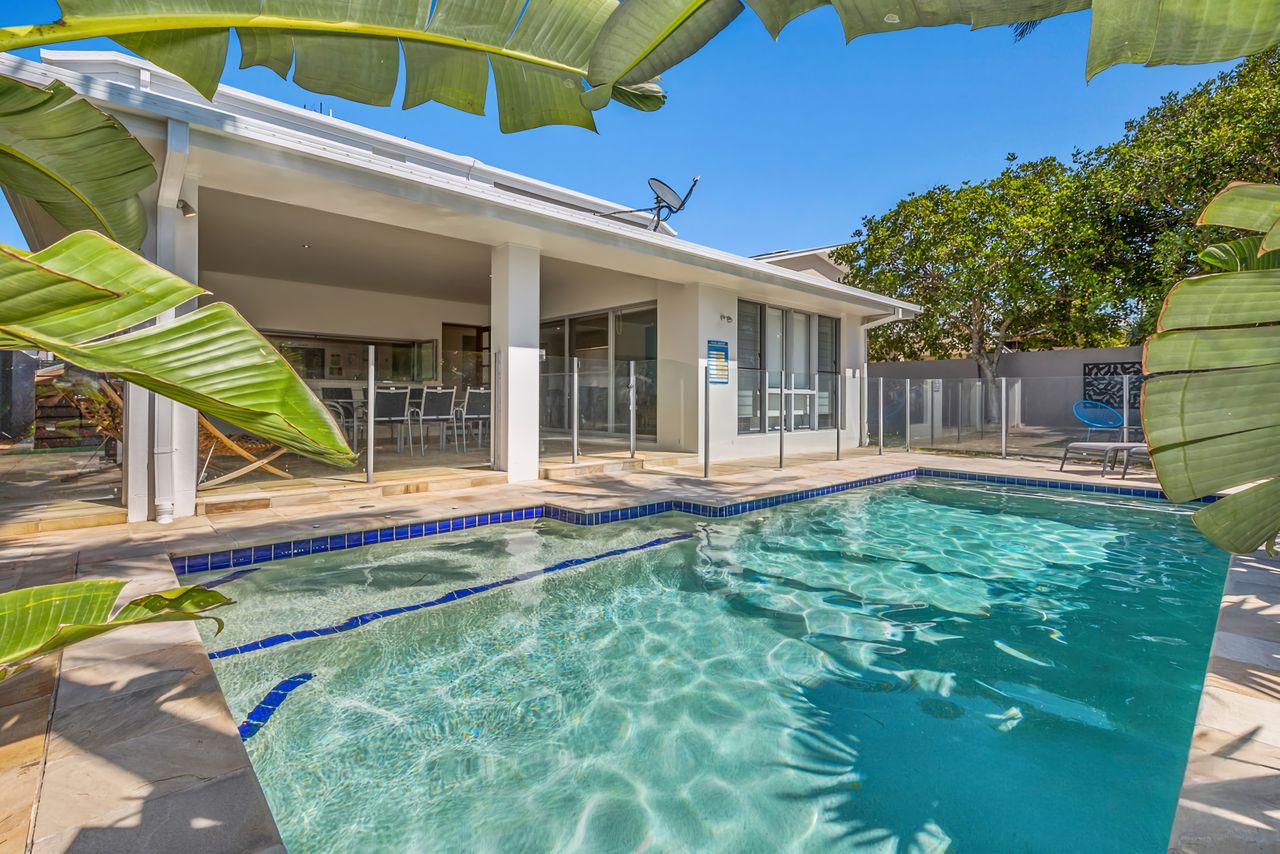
point(665, 195)
point(666, 202)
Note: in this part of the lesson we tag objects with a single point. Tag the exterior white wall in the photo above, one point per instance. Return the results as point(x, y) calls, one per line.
point(516, 361)
point(690, 316)
point(284, 306)
point(611, 290)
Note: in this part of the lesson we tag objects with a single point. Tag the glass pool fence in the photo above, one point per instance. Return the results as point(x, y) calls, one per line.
point(1021, 416)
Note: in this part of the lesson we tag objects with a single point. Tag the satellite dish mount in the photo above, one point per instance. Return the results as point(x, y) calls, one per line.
point(666, 202)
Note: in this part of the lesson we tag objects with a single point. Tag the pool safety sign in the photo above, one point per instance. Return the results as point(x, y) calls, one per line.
point(718, 362)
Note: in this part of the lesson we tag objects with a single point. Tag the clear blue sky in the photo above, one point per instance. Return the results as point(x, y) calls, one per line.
point(795, 140)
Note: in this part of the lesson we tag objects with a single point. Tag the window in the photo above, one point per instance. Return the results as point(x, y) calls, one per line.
point(750, 364)
point(777, 345)
point(605, 345)
point(318, 358)
point(828, 368)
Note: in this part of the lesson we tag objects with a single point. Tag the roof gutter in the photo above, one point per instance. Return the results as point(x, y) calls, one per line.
point(882, 319)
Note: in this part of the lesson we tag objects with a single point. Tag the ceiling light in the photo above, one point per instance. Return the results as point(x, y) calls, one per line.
point(187, 210)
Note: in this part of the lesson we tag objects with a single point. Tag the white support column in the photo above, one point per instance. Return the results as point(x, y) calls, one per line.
point(136, 452)
point(515, 280)
point(175, 440)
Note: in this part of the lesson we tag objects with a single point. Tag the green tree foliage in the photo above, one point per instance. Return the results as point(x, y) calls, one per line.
point(1048, 254)
point(1172, 161)
point(1020, 260)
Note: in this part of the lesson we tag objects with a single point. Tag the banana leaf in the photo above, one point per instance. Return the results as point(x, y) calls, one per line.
point(538, 49)
point(35, 621)
point(1247, 253)
point(1211, 411)
point(76, 162)
point(74, 298)
point(1248, 207)
point(644, 38)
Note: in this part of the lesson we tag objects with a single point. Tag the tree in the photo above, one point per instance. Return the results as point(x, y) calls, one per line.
point(1171, 162)
point(1018, 259)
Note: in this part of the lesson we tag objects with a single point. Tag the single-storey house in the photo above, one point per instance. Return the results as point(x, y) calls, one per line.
point(338, 241)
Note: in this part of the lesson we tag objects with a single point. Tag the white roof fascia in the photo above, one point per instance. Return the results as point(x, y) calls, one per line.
point(130, 85)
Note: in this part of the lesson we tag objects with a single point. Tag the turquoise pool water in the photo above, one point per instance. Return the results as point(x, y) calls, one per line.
point(922, 666)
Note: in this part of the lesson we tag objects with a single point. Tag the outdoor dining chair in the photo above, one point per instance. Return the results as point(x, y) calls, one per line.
point(437, 407)
point(341, 403)
point(391, 407)
point(475, 410)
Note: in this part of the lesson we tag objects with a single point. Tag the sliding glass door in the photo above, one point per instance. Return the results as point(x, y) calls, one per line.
point(604, 344)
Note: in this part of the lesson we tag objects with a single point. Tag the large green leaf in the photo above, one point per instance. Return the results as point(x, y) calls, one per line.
point(646, 37)
point(538, 49)
point(76, 162)
point(1212, 409)
point(35, 621)
point(66, 299)
point(1246, 253)
point(1248, 207)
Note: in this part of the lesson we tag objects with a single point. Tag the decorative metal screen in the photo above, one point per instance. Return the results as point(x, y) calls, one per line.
point(1103, 382)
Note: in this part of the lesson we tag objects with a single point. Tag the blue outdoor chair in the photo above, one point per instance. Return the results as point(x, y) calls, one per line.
point(1097, 416)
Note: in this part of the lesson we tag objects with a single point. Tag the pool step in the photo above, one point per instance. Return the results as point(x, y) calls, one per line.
point(610, 464)
point(322, 491)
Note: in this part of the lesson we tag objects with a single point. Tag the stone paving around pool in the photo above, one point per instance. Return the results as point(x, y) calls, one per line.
point(131, 745)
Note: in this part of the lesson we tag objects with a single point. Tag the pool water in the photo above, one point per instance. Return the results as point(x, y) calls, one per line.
point(919, 666)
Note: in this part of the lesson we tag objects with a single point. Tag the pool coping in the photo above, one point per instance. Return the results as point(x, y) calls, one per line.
point(248, 556)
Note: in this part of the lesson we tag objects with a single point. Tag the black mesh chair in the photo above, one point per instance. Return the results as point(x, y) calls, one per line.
point(341, 403)
point(391, 407)
point(475, 410)
point(436, 407)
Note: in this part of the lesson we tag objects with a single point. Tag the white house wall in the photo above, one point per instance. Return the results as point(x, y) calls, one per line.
point(597, 290)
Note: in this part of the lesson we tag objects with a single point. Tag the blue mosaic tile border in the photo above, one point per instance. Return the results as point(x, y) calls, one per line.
point(452, 596)
point(338, 542)
point(712, 511)
point(262, 712)
point(246, 558)
point(1063, 485)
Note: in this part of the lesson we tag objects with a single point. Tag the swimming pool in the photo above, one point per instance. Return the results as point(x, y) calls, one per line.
point(924, 663)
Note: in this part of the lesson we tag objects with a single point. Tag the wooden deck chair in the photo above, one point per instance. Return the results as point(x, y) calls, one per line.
point(258, 454)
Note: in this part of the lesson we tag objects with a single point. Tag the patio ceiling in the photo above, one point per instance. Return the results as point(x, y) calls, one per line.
point(251, 236)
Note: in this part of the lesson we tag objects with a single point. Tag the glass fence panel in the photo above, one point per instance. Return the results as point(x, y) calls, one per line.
point(828, 402)
point(1042, 415)
point(957, 415)
point(803, 400)
point(646, 398)
point(60, 432)
point(887, 411)
point(604, 404)
point(1048, 413)
point(416, 426)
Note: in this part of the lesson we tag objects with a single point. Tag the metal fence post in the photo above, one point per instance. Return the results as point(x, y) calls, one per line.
point(631, 393)
point(880, 420)
point(1004, 418)
point(495, 402)
point(1124, 401)
point(706, 421)
point(907, 415)
point(573, 452)
point(782, 419)
point(370, 396)
point(837, 412)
